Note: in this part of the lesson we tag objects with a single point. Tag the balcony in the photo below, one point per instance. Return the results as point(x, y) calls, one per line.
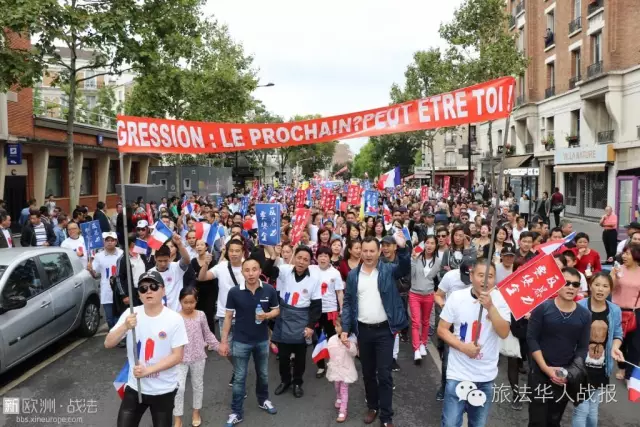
point(549, 40)
point(575, 25)
point(520, 100)
point(512, 21)
point(573, 81)
point(549, 92)
point(549, 141)
point(595, 69)
point(573, 140)
point(520, 8)
point(528, 148)
point(605, 137)
point(594, 6)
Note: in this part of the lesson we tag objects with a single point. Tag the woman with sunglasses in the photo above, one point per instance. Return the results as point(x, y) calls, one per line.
point(460, 246)
point(165, 335)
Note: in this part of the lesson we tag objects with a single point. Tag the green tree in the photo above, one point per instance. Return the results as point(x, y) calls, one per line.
point(312, 157)
point(486, 50)
point(122, 34)
point(104, 113)
point(367, 160)
point(258, 158)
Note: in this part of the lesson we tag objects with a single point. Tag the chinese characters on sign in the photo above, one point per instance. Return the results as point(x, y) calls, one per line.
point(371, 202)
point(92, 235)
point(531, 285)
point(353, 195)
point(301, 196)
point(299, 220)
point(244, 207)
point(268, 215)
point(424, 192)
point(446, 182)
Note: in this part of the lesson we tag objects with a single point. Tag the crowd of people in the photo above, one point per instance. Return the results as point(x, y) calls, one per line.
point(365, 283)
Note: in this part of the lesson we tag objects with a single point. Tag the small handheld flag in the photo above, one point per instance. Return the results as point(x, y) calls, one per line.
point(320, 351)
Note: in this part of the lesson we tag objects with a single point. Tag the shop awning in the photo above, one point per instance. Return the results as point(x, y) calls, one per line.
point(584, 167)
point(451, 173)
point(513, 162)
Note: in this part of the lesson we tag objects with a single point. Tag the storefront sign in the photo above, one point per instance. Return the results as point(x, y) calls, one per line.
point(522, 172)
point(575, 155)
point(14, 154)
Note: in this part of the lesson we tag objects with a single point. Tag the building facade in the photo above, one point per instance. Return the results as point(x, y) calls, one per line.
point(575, 121)
point(450, 149)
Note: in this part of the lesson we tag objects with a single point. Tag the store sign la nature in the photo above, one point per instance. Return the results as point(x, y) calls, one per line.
point(598, 153)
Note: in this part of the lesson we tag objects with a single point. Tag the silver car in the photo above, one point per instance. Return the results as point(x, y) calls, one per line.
point(45, 294)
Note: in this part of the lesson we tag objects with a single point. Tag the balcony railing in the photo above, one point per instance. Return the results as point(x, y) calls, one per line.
point(575, 25)
point(594, 5)
point(520, 100)
point(449, 142)
point(573, 140)
point(549, 92)
point(520, 8)
point(528, 148)
point(605, 136)
point(512, 21)
point(595, 69)
point(573, 81)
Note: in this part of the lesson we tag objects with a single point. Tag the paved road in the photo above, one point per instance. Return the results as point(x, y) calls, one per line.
point(85, 376)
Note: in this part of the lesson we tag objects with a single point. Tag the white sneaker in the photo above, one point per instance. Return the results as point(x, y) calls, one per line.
point(417, 355)
point(423, 350)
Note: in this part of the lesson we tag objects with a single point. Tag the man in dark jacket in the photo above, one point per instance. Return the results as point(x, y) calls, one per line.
point(374, 311)
point(101, 217)
point(5, 230)
point(36, 232)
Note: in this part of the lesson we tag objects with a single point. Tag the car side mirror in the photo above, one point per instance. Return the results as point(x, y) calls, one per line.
point(14, 302)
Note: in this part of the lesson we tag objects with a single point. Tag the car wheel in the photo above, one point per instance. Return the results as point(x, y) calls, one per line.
point(90, 318)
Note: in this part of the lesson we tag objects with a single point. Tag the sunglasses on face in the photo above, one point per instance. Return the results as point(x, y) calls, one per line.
point(442, 236)
point(152, 286)
point(140, 229)
point(574, 284)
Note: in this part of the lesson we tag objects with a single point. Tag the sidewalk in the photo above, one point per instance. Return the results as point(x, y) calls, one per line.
point(594, 231)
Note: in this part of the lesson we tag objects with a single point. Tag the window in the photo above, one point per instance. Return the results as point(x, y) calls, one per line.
point(549, 34)
point(23, 281)
point(90, 83)
point(186, 184)
point(55, 174)
point(114, 177)
point(577, 64)
point(500, 141)
point(551, 75)
point(521, 85)
point(577, 9)
point(597, 47)
point(57, 267)
point(450, 158)
point(86, 183)
point(575, 123)
point(521, 35)
point(551, 21)
point(91, 102)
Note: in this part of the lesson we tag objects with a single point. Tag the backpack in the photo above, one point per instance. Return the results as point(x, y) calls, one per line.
point(486, 194)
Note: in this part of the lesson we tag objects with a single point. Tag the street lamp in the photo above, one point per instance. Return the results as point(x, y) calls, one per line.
point(267, 85)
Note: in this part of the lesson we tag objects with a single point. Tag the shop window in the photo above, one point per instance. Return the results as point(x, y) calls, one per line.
point(571, 192)
point(55, 175)
point(86, 180)
point(114, 177)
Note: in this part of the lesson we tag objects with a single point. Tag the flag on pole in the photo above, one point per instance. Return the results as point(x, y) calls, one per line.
point(390, 179)
point(140, 247)
point(320, 351)
point(159, 235)
point(634, 385)
point(120, 382)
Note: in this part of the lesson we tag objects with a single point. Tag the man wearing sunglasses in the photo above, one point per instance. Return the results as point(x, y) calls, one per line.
point(162, 335)
point(559, 331)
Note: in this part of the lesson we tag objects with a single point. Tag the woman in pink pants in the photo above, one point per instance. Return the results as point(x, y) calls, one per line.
point(425, 265)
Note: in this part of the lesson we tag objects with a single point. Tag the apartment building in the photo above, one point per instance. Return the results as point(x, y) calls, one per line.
point(450, 154)
point(575, 125)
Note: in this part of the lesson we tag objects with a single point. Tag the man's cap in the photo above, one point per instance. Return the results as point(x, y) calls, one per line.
point(508, 249)
point(465, 269)
point(389, 239)
point(151, 276)
point(634, 224)
point(109, 235)
point(142, 224)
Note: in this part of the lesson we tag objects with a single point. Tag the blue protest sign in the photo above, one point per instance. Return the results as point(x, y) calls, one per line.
point(92, 235)
point(244, 207)
point(366, 185)
point(268, 215)
point(219, 200)
point(370, 201)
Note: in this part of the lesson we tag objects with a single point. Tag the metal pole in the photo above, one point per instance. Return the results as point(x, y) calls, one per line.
point(128, 264)
point(469, 183)
point(494, 221)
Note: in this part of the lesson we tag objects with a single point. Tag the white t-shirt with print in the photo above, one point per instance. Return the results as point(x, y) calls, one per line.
point(157, 336)
point(74, 244)
point(451, 282)
point(461, 310)
point(225, 283)
point(298, 294)
point(173, 282)
point(107, 265)
point(330, 282)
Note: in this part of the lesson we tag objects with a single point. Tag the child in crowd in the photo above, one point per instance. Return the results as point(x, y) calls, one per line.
point(341, 369)
point(195, 357)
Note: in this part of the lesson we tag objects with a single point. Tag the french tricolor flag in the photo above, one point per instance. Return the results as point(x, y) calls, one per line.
point(390, 179)
point(201, 229)
point(420, 248)
point(551, 247)
point(159, 235)
point(634, 385)
point(320, 351)
point(111, 271)
point(120, 382)
point(140, 247)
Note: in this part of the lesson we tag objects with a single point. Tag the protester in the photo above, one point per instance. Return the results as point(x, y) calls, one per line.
point(341, 369)
point(36, 232)
point(76, 243)
point(105, 266)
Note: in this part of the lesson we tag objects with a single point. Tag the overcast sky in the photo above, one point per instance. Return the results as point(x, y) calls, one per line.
point(331, 57)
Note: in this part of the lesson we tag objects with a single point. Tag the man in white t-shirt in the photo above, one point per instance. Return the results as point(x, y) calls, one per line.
point(474, 349)
point(105, 265)
point(76, 243)
point(161, 336)
point(172, 272)
point(332, 290)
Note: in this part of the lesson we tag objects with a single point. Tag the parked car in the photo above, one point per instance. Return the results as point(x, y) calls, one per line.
point(45, 294)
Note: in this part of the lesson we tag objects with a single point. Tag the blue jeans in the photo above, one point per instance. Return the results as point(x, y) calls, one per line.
point(108, 314)
point(241, 353)
point(454, 408)
point(586, 413)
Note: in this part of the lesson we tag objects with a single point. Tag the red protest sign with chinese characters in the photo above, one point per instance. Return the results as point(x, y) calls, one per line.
point(329, 202)
point(300, 220)
point(531, 285)
point(424, 192)
point(353, 195)
point(301, 197)
point(446, 182)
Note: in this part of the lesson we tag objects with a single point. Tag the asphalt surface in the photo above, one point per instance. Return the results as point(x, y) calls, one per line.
point(81, 383)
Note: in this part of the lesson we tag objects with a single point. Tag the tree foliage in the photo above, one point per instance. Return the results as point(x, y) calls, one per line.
point(311, 157)
point(367, 160)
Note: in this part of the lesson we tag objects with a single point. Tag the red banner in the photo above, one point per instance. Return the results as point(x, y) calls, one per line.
point(329, 202)
point(424, 193)
point(353, 195)
point(483, 102)
point(446, 183)
point(301, 197)
point(300, 220)
point(531, 285)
